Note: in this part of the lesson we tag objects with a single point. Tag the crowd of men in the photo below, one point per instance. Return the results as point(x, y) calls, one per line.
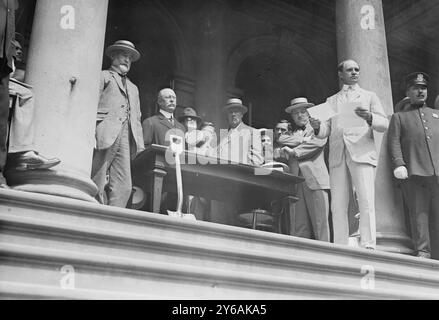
point(299, 143)
point(413, 140)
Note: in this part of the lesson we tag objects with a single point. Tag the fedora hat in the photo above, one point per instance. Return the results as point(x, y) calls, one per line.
point(123, 45)
point(189, 113)
point(235, 103)
point(298, 103)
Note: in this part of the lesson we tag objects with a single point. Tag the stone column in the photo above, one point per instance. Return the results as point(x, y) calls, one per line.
point(361, 36)
point(210, 84)
point(64, 63)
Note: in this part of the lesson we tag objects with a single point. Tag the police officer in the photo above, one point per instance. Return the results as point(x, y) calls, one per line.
point(413, 140)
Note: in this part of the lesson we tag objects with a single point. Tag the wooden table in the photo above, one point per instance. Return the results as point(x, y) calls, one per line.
point(206, 177)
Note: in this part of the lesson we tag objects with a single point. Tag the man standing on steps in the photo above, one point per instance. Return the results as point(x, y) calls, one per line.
point(118, 129)
point(7, 50)
point(306, 159)
point(158, 129)
point(413, 144)
point(352, 153)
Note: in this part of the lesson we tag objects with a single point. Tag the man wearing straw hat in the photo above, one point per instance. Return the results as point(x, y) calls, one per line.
point(119, 136)
point(305, 158)
point(242, 144)
point(239, 144)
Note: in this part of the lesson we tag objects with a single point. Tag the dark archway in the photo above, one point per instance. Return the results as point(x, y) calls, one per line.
point(157, 36)
point(270, 75)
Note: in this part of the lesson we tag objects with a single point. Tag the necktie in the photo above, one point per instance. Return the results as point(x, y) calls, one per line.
point(171, 120)
point(124, 80)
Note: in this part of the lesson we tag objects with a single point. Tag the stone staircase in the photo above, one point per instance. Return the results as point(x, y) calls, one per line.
point(58, 248)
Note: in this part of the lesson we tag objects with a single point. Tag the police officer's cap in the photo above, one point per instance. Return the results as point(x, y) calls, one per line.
point(416, 78)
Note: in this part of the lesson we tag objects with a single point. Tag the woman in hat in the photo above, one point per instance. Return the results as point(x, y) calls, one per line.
point(199, 135)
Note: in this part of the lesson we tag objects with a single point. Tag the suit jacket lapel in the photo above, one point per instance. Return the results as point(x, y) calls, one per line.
point(165, 121)
point(118, 81)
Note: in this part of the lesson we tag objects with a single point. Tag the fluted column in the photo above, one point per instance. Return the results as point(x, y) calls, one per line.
point(64, 63)
point(361, 36)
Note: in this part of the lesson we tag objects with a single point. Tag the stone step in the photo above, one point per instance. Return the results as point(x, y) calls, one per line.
point(125, 252)
point(34, 232)
point(126, 278)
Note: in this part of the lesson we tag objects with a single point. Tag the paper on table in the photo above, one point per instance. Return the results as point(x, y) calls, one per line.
point(322, 112)
point(347, 117)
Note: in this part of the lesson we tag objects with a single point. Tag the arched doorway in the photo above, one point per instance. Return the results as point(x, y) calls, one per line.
point(157, 36)
point(270, 75)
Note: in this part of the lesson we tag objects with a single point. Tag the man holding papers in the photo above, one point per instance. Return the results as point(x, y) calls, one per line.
point(352, 153)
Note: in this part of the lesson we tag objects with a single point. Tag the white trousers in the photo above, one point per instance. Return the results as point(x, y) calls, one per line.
point(360, 176)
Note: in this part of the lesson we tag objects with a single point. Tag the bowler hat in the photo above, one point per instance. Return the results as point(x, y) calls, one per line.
point(417, 78)
point(123, 45)
point(298, 103)
point(235, 103)
point(189, 113)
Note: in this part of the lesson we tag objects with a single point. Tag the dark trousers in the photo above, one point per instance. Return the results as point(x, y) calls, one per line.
point(422, 199)
point(4, 113)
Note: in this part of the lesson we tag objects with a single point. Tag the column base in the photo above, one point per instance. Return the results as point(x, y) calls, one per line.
point(57, 183)
point(393, 242)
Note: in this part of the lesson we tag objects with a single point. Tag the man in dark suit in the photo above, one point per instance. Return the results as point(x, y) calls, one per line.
point(413, 140)
point(7, 50)
point(158, 128)
point(21, 153)
point(119, 135)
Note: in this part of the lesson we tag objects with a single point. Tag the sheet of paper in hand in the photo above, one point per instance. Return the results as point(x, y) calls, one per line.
point(347, 118)
point(323, 112)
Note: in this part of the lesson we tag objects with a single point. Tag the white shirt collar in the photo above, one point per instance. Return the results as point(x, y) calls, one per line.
point(167, 114)
point(353, 87)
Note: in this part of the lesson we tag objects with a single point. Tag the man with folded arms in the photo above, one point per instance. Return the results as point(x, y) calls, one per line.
point(306, 158)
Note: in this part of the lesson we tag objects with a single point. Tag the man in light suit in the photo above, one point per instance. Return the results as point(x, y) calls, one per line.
point(242, 143)
point(352, 154)
point(119, 135)
point(306, 158)
point(239, 144)
point(413, 145)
